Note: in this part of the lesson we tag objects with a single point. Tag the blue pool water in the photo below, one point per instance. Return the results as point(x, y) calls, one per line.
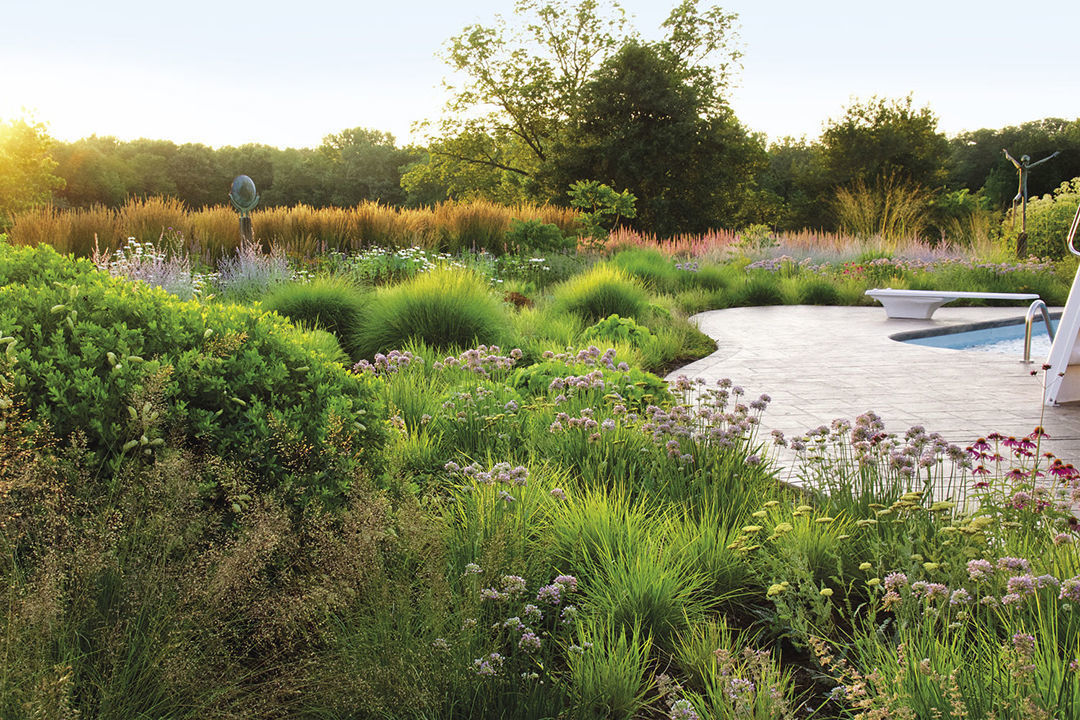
point(1006, 339)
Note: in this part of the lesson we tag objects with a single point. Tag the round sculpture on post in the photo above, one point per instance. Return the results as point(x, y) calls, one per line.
point(244, 198)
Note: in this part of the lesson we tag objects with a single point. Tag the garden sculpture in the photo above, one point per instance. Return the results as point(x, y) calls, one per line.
point(244, 198)
point(1023, 169)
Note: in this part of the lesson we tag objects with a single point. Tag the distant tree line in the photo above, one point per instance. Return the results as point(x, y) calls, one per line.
point(567, 91)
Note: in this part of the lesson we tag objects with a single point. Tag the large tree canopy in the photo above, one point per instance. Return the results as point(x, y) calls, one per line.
point(26, 167)
point(524, 92)
point(882, 137)
point(648, 125)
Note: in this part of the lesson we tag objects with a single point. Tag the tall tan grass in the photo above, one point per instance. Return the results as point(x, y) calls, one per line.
point(892, 208)
point(301, 230)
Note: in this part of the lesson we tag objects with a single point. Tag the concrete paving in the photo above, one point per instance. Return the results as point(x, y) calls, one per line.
point(821, 363)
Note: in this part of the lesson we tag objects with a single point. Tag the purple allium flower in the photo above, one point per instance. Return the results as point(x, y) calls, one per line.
point(682, 709)
point(472, 569)
point(1010, 599)
point(529, 642)
point(739, 688)
point(533, 613)
point(960, 597)
point(568, 582)
point(1021, 584)
point(895, 580)
point(1024, 643)
point(492, 594)
point(513, 584)
point(550, 594)
point(1013, 563)
point(569, 614)
point(1070, 589)
point(979, 569)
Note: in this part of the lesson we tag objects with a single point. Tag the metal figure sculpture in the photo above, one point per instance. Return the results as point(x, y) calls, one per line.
point(1023, 169)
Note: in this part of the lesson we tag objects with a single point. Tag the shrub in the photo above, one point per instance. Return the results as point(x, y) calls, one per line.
point(444, 308)
point(1048, 221)
point(529, 236)
point(602, 291)
point(331, 304)
point(132, 368)
point(615, 329)
point(250, 273)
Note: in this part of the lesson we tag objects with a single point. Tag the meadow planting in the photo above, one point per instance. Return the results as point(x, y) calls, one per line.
point(398, 464)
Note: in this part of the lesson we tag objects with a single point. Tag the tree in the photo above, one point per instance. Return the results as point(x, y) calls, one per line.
point(976, 161)
point(647, 123)
point(366, 165)
point(26, 167)
point(885, 138)
point(525, 97)
point(93, 171)
point(796, 175)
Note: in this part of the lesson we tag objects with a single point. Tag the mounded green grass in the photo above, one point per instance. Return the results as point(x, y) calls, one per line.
point(443, 308)
point(601, 291)
point(331, 304)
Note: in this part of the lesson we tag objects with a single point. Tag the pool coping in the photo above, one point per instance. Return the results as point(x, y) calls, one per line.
point(906, 335)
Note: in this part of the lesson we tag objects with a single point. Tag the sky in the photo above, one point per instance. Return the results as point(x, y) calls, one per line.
point(288, 74)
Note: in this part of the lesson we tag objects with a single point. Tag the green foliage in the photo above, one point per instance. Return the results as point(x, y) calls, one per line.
point(26, 168)
point(444, 308)
point(760, 289)
point(650, 267)
point(608, 677)
point(132, 368)
point(601, 207)
point(334, 305)
point(651, 123)
point(615, 329)
point(599, 292)
point(1048, 220)
point(815, 291)
point(880, 138)
point(534, 236)
point(977, 163)
point(637, 388)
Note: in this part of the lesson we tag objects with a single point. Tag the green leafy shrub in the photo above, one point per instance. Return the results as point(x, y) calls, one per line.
point(331, 304)
point(133, 368)
point(529, 236)
point(1048, 221)
point(615, 329)
point(444, 308)
point(602, 291)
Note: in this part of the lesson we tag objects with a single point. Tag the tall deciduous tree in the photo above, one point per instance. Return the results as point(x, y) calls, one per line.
point(885, 138)
point(649, 123)
point(26, 167)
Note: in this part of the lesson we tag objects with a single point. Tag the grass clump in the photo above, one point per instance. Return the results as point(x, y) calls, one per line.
point(331, 304)
point(602, 291)
point(443, 308)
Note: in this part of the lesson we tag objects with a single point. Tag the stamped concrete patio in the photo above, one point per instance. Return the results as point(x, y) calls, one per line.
point(822, 363)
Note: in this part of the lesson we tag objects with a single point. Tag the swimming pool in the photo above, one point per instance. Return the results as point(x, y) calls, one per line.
point(1004, 336)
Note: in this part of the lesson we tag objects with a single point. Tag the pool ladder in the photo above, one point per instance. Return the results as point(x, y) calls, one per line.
point(1040, 307)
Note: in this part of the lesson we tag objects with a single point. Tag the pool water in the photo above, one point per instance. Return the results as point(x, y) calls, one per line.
point(1004, 339)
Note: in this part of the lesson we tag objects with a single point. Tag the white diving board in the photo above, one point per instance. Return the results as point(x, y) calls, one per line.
point(921, 304)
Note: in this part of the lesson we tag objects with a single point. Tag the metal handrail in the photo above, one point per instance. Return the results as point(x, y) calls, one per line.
point(1072, 232)
point(1029, 318)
